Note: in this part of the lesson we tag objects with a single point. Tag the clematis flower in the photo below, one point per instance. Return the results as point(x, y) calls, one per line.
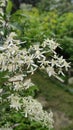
point(50, 71)
point(27, 83)
point(51, 44)
point(15, 101)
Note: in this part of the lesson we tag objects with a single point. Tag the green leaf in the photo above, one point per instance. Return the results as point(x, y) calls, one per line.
point(9, 6)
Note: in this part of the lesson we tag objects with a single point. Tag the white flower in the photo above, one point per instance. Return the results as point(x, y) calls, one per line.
point(51, 44)
point(37, 47)
point(11, 68)
point(29, 61)
point(15, 102)
point(1, 11)
point(53, 62)
point(3, 63)
point(12, 34)
point(2, 3)
point(2, 22)
point(55, 57)
point(43, 62)
point(27, 83)
point(10, 39)
point(2, 33)
point(61, 71)
point(38, 51)
point(32, 69)
point(1, 90)
point(66, 65)
point(17, 78)
point(39, 54)
point(50, 71)
point(60, 61)
point(17, 86)
point(1, 59)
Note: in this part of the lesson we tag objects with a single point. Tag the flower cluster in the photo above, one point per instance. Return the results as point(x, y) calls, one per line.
point(18, 83)
point(34, 111)
point(13, 58)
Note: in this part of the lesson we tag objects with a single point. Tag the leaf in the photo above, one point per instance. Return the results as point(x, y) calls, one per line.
point(9, 7)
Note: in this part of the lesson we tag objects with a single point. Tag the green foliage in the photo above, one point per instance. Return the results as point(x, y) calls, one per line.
point(33, 26)
point(9, 6)
point(20, 122)
point(64, 33)
point(32, 91)
point(2, 77)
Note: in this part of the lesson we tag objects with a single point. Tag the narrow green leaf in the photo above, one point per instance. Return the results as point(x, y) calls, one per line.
point(9, 6)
